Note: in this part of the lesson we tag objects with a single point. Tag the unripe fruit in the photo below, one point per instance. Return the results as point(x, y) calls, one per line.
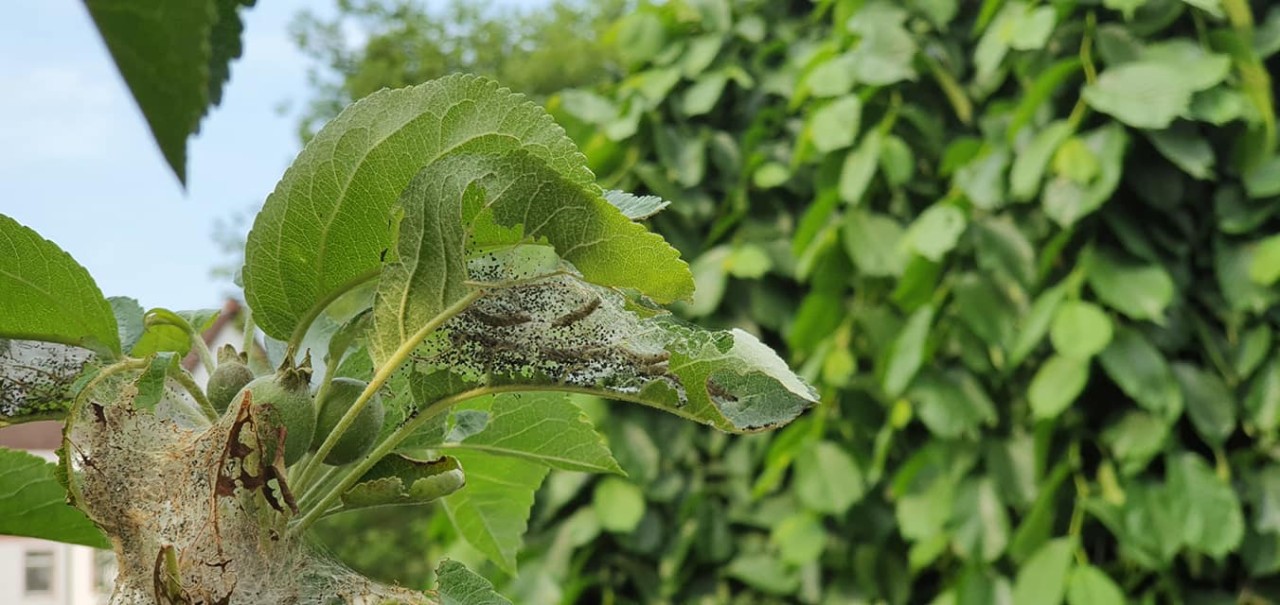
point(228, 378)
point(358, 439)
point(284, 400)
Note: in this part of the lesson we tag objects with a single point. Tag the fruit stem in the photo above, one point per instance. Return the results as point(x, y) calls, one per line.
point(380, 377)
point(184, 378)
point(250, 332)
point(353, 474)
point(165, 316)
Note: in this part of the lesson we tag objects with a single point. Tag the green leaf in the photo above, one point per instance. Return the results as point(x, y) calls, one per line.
point(1139, 291)
point(1031, 162)
point(324, 227)
point(1056, 385)
point(1036, 323)
point(1135, 440)
point(1183, 145)
point(1265, 267)
point(1262, 401)
point(463, 202)
point(1232, 264)
point(827, 479)
point(1091, 586)
point(983, 180)
point(1142, 373)
point(45, 295)
point(129, 320)
point(541, 427)
point(874, 243)
point(1141, 94)
point(151, 382)
point(835, 125)
point(885, 53)
point(1080, 329)
point(457, 585)
point(952, 403)
point(1214, 523)
point(162, 334)
point(619, 505)
point(936, 231)
point(1210, 404)
point(701, 98)
point(800, 538)
point(1042, 579)
point(764, 572)
point(980, 524)
point(399, 480)
point(559, 332)
point(492, 511)
point(905, 355)
point(859, 168)
point(34, 504)
point(163, 51)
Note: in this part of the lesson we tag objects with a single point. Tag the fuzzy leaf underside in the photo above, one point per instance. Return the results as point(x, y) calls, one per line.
point(326, 223)
point(469, 202)
point(38, 379)
point(560, 332)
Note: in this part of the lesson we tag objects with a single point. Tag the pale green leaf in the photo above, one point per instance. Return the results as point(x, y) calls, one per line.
point(874, 243)
point(457, 585)
point(859, 168)
point(34, 504)
point(1080, 329)
point(619, 505)
point(1214, 523)
point(324, 227)
point(1141, 291)
point(827, 479)
point(45, 295)
point(541, 427)
point(1089, 585)
point(1030, 163)
point(1056, 385)
point(1141, 94)
point(905, 355)
point(492, 511)
point(800, 538)
point(1264, 269)
point(835, 125)
point(1042, 579)
point(705, 93)
point(936, 231)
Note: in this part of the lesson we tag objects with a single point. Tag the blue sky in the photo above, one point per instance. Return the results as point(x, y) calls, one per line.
point(78, 165)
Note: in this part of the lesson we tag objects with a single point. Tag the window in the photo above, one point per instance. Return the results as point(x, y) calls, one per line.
point(39, 576)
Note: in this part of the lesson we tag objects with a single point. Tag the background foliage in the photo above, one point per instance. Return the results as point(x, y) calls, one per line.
point(1026, 249)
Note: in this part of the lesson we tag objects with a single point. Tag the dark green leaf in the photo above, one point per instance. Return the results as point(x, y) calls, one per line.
point(1142, 373)
point(1210, 404)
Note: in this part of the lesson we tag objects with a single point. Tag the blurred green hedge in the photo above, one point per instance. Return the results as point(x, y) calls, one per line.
point(1028, 251)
